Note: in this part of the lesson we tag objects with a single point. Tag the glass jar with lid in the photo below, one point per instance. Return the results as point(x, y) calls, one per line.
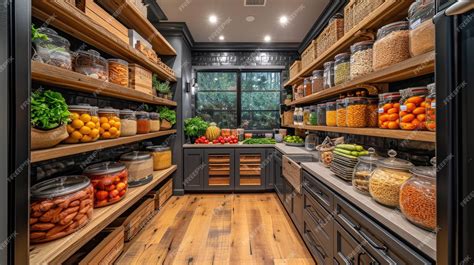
point(308, 89)
point(109, 123)
point(331, 114)
point(418, 197)
point(392, 45)
point(356, 112)
point(110, 182)
point(342, 68)
point(313, 116)
point(431, 108)
point(154, 122)
point(387, 178)
point(321, 110)
point(389, 109)
point(84, 125)
point(328, 74)
point(128, 122)
point(118, 72)
point(51, 199)
point(162, 156)
point(362, 171)
point(53, 50)
point(306, 113)
point(143, 122)
point(90, 63)
point(413, 108)
point(310, 141)
point(317, 81)
point(140, 167)
point(341, 112)
point(372, 112)
point(422, 28)
point(361, 58)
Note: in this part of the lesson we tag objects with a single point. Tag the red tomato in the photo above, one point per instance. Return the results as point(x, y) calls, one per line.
point(122, 192)
point(101, 195)
point(222, 141)
point(101, 203)
point(110, 187)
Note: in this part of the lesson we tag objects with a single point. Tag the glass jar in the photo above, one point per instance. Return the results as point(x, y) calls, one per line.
point(54, 50)
point(356, 112)
point(128, 122)
point(387, 178)
point(154, 122)
point(317, 81)
point(308, 89)
point(59, 207)
point(422, 28)
point(109, 180)
point(299, 92)
point(84, 125)
point(372, 112)
point(391, 46)
point(240, 133)
point(331, 114)
point(389, 109)
point(412, 108)
point(341, 113)
point(90, 63)
point(313, 116)
point(321, 110)
point(326, 155)
point(143, 122)
point(342, 68)
point(306, 113)
point(140, 167)
point(430, 105)
point(161, 156)
point(361, 58)
point(310, 141)
point(109, 123)
point(362, 171)
point(418, 197)
point(328, 75)
point(118, 72)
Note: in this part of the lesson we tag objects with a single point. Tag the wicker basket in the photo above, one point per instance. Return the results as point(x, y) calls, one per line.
point(331, 34)
point(349, 16)
point(309, 55)
point(295, 68)
point(363, 8)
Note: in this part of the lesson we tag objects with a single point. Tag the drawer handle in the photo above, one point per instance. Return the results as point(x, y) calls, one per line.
point(369, 240)
point(316, 246)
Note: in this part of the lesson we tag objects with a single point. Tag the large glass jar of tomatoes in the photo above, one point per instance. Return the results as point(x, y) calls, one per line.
point(430, 105)
point(110, 182)
point(413, 108)
point(109, 123)
point(84, 124)
point(389, 109)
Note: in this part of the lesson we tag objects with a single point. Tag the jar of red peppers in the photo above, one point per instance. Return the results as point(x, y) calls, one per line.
point(109, 123)
point(110, 182)
point(389, 109)
point(413, 108)
point(143, 122)
point(431, 108)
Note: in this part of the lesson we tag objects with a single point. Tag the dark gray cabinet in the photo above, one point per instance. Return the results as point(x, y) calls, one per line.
point(270, 172)
point(347, 250)
point(250, 170)
point(219, 172)
point(194, 165)
point(277, 159)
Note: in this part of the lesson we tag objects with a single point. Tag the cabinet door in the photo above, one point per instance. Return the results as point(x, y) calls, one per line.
point(323, 220)
point(321, 252)
point(270, 169)
point(219, 172)
point(278, 176)
point(250, 170)
point(288, 196)
point(346, 248)
point(298, 207)
point(193, 169)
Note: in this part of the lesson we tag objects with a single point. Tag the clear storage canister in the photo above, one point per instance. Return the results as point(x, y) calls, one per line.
point(118, 72)
point(53, 50)
point(372, 112)
point(317, 81)
point(306, 113)
point(342, 68)
point(328, 75)
point(392, 44)
point(90, 63)
point(389, 109)
point(321, 110)
point(143, 122)
point(109, 123)
point(361, 58)
point(109, 180)
point(331, 114)
point(84, 125)
point(362, 171)
point(431, 108)
point(162, 156)
point(140, 167)
point(308, 88)
point(313, 116)
point(128, 123)
point(341, 113)
point(422, 28)
point(413, 108)
point(356, 112)
point(154, 122)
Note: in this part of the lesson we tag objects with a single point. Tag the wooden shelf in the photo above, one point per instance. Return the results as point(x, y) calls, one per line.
point(133, 19)
point(63, 150)
point(423, 136)
point(53, 75)
point(58, 251)
point(70, 19)
point(413, 67)
point(389, 11)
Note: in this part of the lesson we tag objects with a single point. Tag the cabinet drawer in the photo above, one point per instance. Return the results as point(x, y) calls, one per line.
point(380, 243)
point(348, 251)
point(321, 252)
point(319, 191)
point(323, 220)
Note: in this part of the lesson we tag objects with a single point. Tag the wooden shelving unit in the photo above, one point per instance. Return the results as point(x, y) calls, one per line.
point(70, 19)
point(58, 251)
point(389, 11)
point(413, 67)
point(63, 150)
point(132, 18)
point(423, 136)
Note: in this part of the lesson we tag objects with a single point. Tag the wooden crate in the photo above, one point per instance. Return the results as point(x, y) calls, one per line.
point(295, 68)
point(103, 18)
point(135, 218)
point(309, 55)
point(165, 193)
point(140, 78)
point(330, 35)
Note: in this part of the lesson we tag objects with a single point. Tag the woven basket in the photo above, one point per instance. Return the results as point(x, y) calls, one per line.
point(41, 139)
point(349, 16)
point(331, 34)
point(295, 68)
point(309, 55)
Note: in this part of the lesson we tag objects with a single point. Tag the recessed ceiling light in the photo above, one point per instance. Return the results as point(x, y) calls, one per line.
point(212, 19)
point(267, 38)
point(250, 19)
point(221, 37)
point(283, 20)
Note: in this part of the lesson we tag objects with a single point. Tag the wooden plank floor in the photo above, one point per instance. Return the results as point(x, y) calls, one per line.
point(219, 229)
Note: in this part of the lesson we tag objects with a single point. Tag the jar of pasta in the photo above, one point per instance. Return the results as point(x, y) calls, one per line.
point(341, 113)
point(356, 112)
point(430, 105)
point(162, 156)
point(331, 114)
point(84, 124)
point(109, 123)
point(143, 122)
point(372, 112)
point(154, 122)
point(129, 123)
point(342, 68)
point(413, 108)
point(389, 109)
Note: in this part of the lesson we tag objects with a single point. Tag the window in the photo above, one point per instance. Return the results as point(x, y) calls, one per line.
point(239, 99)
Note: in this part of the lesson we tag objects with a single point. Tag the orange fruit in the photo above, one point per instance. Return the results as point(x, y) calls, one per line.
point(77, 124)
point(91, 125)
point(85, 118)
point(103, 120)
point(70, 129)
point(94, 119)
point(106, 135)
point(76, 135)
point(74, 116)
point(85, 130)
point(105, 126)
point(113, 131)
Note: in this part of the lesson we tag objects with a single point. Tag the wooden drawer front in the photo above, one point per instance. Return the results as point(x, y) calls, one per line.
point(323, 219)
point(348, 251)
point(320, 251)
point(381, 244)
point(292, 172)
point(319, 191)
point(109, 249)
point(136, 217)
point(165, 193)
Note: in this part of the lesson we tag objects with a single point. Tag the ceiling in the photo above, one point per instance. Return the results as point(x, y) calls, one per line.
point(232, 23)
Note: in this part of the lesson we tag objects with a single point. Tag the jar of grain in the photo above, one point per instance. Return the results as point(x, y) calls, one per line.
point(155, 122)
point(418, 197)
point(422, 28)
point(321, 112)
point(118, 72)
point(308, 88)
point(386, 180)
point(356, 112)
point(342, 68)
point(362, 171)
point(161, 156)
point(431, 108)
point(129, 123)
point(331, 115)
point(328, 75)
point(413, 108)
point(391, 46)
point(361, 58)
point(372, 112)
point(341, 113)
point(317, 81)
point(389, 108)
point(306, 113)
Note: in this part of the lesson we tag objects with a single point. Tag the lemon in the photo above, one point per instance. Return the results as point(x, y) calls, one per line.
point(105, 126)
point(113, 131)
point(104, 120)
point(76, 135)
point(77, 124)
point(70, 129)
point(85, 118)
point(85, 130)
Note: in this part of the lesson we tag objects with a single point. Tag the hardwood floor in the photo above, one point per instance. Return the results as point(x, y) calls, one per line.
point(219, 229)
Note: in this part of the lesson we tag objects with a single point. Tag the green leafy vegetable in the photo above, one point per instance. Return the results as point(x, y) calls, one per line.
point(259, 141)
point(48, 110)
point(167, 114)
point(195, 127)
point(35, 35)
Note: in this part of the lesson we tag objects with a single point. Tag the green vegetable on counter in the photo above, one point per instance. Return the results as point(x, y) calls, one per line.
point(337, 151)
point(350, 147)
point(195, 127)
point(48, 110)
point(167, 114)
point(293, 139)
point(259, 141)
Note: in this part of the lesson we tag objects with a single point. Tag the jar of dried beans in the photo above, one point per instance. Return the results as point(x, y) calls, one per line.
point(328, 75)
point(431, 108)
point(422, 28)
point(392, 44)
point(341, 113)
point(356, 112)
point(413, 108)
point(342, 68)
point(118, 72)
point(361, 58)
point(389, 108)
point(331, 115)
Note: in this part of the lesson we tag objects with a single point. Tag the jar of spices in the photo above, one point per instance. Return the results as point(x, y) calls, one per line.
point(361, 58)
point(341, 113)
point(306, 113)
point(389, 109)
point(387, 179)
point(372, 112)
point(84, 125)
point(431, 108)
point(129, 123)
point(412, 108)
point(422, 28)
point(418, 197)
point(356, 112)
point(154, 122)
point(331, 114)
point(313, 116)
point(143, 122)
point(308, 89)
point(140, 167)
point(161, 156)
point(364, 168)
point(321, 110)
point(53, 50)
point(109, 180)
point(317, 81)
point(328, 75)
point(392, 45)
point(90, 63)
point(109, 123)
point(342, 68)
point(118, 72)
